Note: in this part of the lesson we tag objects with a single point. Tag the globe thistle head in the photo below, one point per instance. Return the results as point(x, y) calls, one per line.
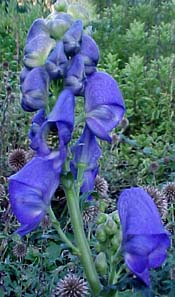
point(159, 199)
point(17, 159)
point(71, 286)
point(2, 190)
point(29, 155)
point(101, 186)
point(46, 223)
point(153, 167)
point(124, 123)
point(90, 214)
point(20, 250)
point(169, 192)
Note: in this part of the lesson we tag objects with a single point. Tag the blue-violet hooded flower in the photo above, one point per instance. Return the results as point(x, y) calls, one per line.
point(145, 241)
point(86, 151)
point(104, 104)
point(32, 188)
point(35, 89)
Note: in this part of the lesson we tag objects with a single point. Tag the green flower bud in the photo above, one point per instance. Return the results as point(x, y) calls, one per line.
point(115, 217)
point(98, 247)
point(78, 12)
point(100, 233)
point(102, 217)
point(101, 263)
point(111, 227)
point(115, 242)
point(57, 28)
point(61, 5)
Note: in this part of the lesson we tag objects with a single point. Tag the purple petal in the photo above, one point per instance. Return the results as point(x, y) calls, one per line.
point(38, 27)
point(35, 89)
point(31, 190)
point(57, 62)
point(37, 50)
point(63, 115)
point(90, 53)
point(104, 105)
point(72, 38)
point(75, 76)
point(144, 236)
point(86, 151)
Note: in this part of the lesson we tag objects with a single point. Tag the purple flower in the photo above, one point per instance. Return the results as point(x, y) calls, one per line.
point(72, 38)
point(145, 240)
point(35, 89)
point(75, 75)
point(90, 53)
point(32, 188)
point(38, 44)
point(60, 118)
point(104, 104)
point(57, 62)
point(86, 151)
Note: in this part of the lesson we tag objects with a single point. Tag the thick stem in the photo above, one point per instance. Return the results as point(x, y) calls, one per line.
point(81, 241)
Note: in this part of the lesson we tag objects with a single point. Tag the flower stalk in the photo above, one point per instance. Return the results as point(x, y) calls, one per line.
point(81, 241)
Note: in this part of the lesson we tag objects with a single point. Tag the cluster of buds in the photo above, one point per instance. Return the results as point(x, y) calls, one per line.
point(108, 238)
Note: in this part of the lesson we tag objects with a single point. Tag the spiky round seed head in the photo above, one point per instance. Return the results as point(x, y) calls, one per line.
point(116, 138)
point(169, 192)
point(5, 65)
point(20, 250)
point(71, 286)
point(124, 123)
point(2, 190)
point(101, 186)
point(154, 166)
point(29, 155)
point(90, 214)
point(46, 223)
point(159, 199)
point(17, 159)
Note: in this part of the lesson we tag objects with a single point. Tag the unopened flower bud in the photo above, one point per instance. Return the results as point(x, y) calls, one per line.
point(111, 227)
point(61, 5)
point(100, 233)
point(102, 217)
point(101, 263)
point(115, 242)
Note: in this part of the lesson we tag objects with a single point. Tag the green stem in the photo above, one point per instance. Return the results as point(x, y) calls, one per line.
point(81, 240)
point(60, 232)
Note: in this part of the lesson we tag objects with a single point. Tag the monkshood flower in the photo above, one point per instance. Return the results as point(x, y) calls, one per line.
point(145, 240)
point(72, 38)
point(60, 118)
point(90, 53)
point(104, 104)
point(86, 151)
point(32, 188)
point(75, 75)
point(56, 62)
point(37, 121)
point(38, 44)
point(35, 89)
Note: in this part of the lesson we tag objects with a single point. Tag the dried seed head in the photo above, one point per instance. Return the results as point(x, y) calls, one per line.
point(101, 186)
point(154, 166)
point(159, 199)
point(71, 286)
point(124, 123)
point(17, 159)
point(20, 250)
point(46, 223)
point(90, 214)
point(169, 192)
point(5, 65)
point(29, 155)
point(2, 190)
